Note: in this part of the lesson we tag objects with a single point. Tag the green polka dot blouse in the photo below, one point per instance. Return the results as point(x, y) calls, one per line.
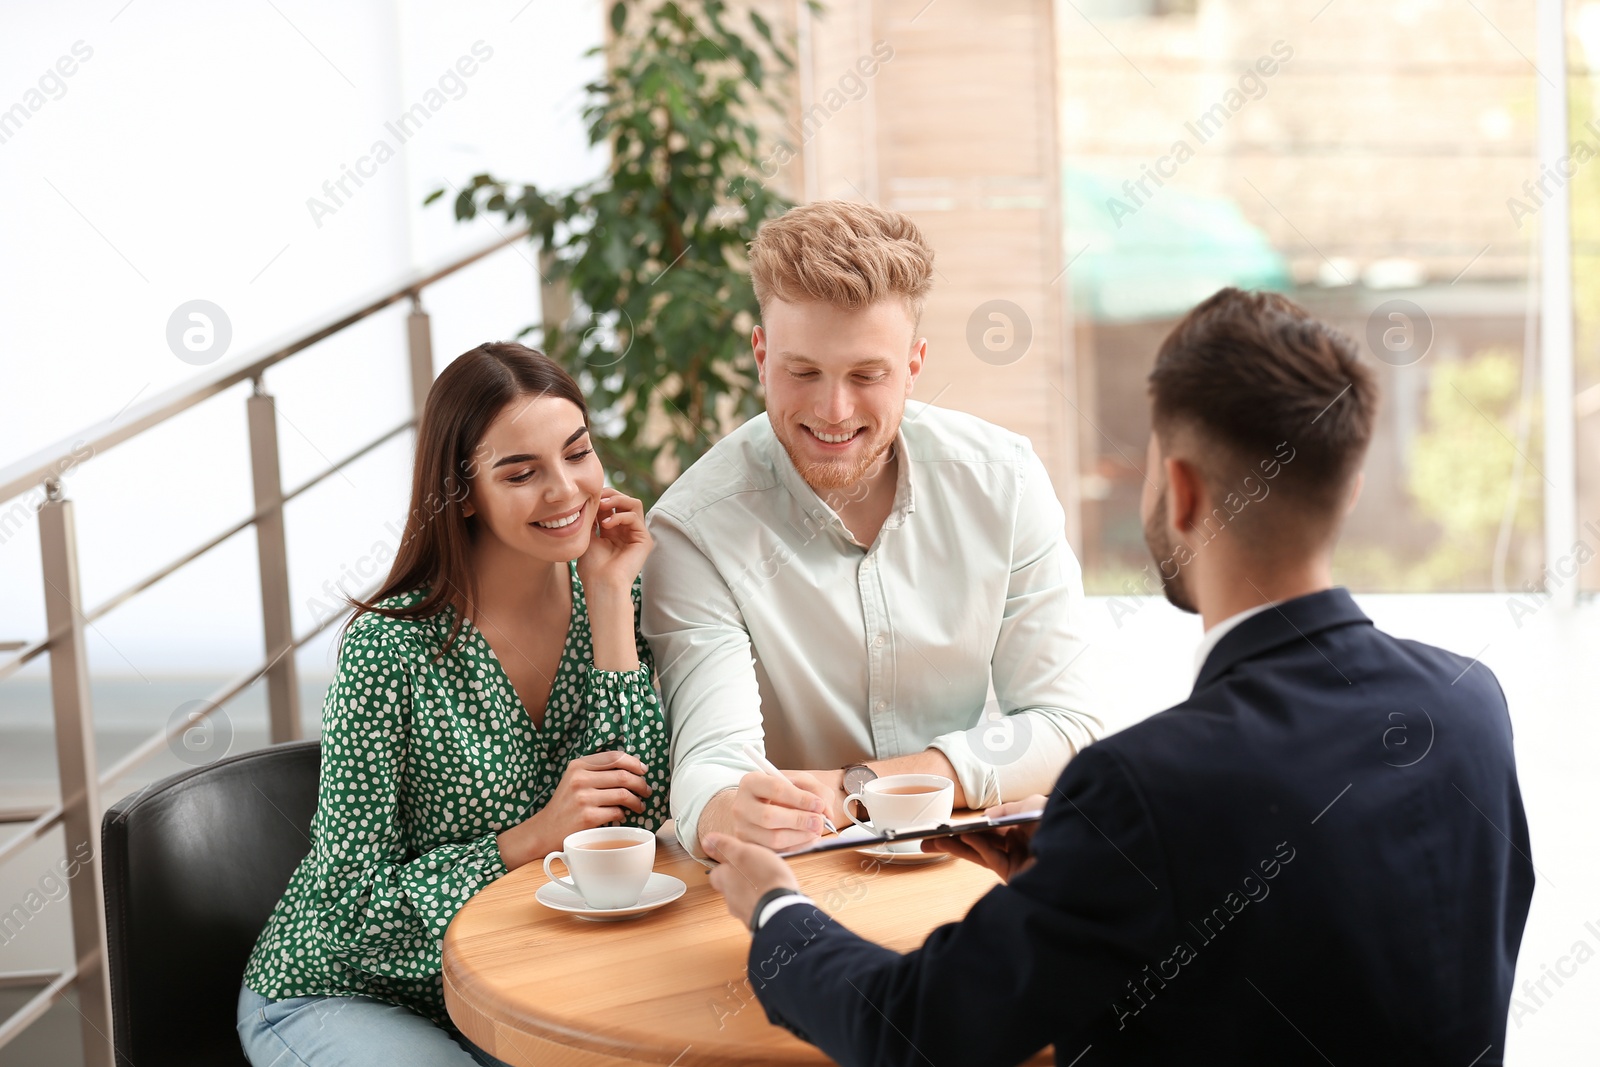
point(424, 761)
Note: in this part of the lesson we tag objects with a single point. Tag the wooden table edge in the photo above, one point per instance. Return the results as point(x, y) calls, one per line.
point(618, 1048)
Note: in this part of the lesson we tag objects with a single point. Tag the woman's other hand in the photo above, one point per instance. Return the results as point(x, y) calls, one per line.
point(596, 790)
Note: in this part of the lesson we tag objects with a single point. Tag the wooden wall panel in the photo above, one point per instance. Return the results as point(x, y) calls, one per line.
point(947, 111)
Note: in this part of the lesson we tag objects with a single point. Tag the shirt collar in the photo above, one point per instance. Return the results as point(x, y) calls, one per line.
point(1300, 618)
point(819, 509)
point(1220, 630)
point(905, 501)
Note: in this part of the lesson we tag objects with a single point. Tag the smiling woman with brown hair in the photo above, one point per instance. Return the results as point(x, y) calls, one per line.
point(493, 697)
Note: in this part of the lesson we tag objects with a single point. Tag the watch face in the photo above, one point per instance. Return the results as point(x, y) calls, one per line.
point(856, 777)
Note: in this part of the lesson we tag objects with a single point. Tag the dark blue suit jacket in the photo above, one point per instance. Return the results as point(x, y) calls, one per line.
point(1320, 856)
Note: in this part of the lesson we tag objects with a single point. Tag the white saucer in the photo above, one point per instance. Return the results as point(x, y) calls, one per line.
point(881, 852)
point(659, 891)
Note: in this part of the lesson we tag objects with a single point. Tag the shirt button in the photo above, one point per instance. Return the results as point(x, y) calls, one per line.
point(877, 642)
point(882, 704)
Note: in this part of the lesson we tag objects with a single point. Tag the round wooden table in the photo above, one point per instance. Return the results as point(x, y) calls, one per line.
point(540, 988)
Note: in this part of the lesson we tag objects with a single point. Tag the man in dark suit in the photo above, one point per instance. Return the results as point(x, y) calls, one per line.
point(1319, 857)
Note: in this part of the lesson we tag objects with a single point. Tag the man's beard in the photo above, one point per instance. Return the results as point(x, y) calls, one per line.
point(1162, 549)
point(833, 475)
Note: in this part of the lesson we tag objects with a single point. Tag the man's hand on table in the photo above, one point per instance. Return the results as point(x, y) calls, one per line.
point(786, 813)
point(777, 813)
point(1007, 851)
point(745, 872)
point(832, 783)
point(928, 761)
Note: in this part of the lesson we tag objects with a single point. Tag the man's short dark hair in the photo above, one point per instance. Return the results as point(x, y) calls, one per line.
point(1253, 377)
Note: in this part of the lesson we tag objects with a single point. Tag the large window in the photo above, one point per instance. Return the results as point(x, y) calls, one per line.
point(1378, 162)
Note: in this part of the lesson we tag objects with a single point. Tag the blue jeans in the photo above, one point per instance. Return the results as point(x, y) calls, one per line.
point(349, 1031)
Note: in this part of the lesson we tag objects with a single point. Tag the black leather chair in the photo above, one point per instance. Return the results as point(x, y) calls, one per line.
point(193, 866)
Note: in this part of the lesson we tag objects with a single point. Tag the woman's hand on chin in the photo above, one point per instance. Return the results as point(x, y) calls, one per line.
point(618, 545)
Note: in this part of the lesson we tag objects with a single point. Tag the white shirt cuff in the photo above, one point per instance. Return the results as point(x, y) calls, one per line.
point(779, 904)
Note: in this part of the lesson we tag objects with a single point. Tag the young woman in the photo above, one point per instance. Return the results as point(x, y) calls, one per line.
point(492, 698)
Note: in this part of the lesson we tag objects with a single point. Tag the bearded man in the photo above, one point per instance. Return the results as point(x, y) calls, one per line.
point(839, 582)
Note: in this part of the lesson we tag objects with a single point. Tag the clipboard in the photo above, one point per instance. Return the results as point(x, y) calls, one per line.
point(848, 840)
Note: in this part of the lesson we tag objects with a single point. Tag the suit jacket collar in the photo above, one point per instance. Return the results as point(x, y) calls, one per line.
point(1300, 619)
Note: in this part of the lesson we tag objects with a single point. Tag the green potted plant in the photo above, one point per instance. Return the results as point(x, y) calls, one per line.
point(652, 255)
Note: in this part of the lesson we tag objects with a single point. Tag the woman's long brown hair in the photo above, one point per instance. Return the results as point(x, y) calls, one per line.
point(436, 548)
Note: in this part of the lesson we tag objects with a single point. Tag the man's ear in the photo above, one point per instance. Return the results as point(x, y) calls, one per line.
point(919, 356)
point(1183, 495)
point(758, 346)
point(1355, 491)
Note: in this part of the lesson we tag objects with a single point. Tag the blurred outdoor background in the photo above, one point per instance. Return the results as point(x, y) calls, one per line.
point(1087, 170)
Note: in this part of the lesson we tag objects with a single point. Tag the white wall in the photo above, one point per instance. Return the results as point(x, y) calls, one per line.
point(176, 163)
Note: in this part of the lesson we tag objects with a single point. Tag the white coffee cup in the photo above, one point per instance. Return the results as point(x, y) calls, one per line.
point(904, 802)
point(609, 865)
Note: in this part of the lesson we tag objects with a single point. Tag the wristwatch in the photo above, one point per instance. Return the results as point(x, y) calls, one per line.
point(856, 777)
point(768, 897)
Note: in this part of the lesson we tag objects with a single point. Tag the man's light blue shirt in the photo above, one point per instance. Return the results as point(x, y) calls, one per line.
point(772, 626)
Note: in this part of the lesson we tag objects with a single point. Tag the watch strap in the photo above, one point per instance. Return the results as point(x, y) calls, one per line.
point(767, 898)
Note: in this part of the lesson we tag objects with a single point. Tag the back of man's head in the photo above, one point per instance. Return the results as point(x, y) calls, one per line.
point(1264, 399)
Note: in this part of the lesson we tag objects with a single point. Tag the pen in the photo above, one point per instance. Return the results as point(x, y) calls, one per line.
point(765, 764)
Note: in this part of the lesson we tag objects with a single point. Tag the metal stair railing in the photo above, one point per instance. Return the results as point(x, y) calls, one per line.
point(79, 810)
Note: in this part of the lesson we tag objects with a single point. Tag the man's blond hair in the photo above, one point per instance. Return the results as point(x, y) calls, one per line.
point(847, 254)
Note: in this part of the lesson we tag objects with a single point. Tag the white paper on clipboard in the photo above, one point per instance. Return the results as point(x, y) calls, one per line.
point(858, 836)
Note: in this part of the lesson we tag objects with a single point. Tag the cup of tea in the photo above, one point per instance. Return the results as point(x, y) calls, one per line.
point(903, 802)
point(609, 865)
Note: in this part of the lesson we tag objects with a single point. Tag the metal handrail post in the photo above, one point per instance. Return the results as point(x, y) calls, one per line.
point(277, 624)
point(419, 338)
point(78, 768)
